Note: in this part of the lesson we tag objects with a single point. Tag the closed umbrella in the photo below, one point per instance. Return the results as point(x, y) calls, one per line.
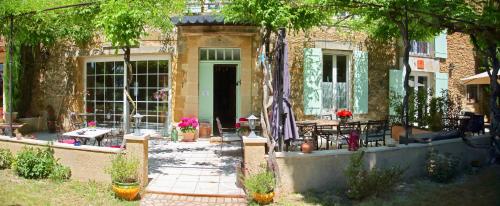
point(283, 129)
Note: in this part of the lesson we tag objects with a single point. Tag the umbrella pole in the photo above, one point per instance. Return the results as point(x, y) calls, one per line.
point(280, 68)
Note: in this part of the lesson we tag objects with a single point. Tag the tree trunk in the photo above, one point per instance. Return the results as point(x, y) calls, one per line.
point(128, 75)
point(403, 28)
point(495, 91)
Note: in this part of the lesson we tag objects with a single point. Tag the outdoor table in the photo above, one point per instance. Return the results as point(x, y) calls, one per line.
point(328, 132)
point(87, 133)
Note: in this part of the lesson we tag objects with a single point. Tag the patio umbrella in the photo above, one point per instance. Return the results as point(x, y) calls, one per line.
point(482, 78)
point(281, 103)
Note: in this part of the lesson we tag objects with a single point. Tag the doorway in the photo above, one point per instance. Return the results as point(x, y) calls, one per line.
point(224, 107)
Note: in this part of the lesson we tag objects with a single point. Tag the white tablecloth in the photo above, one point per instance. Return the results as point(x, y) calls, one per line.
point(89, 133)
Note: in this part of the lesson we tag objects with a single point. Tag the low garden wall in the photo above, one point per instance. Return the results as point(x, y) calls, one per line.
point(87, 162)
point(323, 170)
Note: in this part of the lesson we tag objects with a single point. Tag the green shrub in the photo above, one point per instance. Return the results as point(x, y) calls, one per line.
point(123, 169)
point(6, 158)
point(363, 183)
point(35, 163)
point(60, 173)
point(261, 182)
point(442, 167)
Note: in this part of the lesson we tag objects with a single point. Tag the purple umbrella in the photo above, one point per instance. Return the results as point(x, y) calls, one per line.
point(281, 95)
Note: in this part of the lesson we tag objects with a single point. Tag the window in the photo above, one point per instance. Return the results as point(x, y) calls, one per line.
point(420, 48)
point(334, 87)
point(105, 82)
point(219, 54)
point(327, 68)
point(472, 93)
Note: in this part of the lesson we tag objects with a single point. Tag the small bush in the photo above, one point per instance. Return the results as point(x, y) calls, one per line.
point(60, 173)
point(442, 167)
point(123, 169)
point(363, 183)
point(35, 163)
point(261, 182)
point(6, 158)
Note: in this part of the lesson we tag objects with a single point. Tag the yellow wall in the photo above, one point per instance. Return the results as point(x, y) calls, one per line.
point(190, 39)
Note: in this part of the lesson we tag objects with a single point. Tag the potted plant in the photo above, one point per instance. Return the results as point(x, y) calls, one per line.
point(124, 175)
point(344, 114)
point(260, 186)
point(188, 128)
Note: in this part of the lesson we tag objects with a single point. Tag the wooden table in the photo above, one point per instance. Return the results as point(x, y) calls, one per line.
point(87, 133)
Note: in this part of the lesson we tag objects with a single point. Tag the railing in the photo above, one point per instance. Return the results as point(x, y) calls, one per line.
point(204, 6)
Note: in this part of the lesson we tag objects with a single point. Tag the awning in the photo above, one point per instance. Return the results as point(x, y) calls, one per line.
point(481, 78)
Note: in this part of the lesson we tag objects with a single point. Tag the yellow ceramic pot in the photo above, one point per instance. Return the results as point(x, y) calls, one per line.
point(263, 198)
point(126, 191)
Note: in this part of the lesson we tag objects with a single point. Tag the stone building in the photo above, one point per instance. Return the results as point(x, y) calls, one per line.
point(208, 69)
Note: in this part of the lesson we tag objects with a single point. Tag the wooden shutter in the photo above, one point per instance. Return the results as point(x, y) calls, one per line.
point(360, 82)
point(313, 77)
point(441, 80)
point(396, 78)
point(441, 46)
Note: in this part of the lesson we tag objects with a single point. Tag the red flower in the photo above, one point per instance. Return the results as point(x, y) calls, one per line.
point(243, 119)
point(237, 125)
point(344, 113)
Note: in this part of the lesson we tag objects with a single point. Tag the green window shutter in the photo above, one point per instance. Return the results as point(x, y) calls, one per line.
point(313, 76)
point(441, 46)
point(360, 82)
point(396, 88)
point(441, 83)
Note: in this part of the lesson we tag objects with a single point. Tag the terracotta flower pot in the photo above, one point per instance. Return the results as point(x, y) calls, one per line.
point(126, 191)
point(306, 147)
point(188, 137)
point(396, 132)
point(263, 199)
point(205, 130)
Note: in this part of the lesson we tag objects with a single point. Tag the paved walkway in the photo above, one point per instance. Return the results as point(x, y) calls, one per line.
point(194, 168)
point(176, 200)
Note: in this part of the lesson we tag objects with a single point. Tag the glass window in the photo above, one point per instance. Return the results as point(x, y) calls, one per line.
point(203, 54)
point(211, 54)
point(327, 68)
point(236, 54)
point(228, 53)
point(341, 68)
point(472, 93)
point(420, 48)
point(220, 54)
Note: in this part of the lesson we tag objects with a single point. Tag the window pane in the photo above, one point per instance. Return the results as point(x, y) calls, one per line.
point(236, 54)
point(141, 108)
point(163, 66)
point(99, 119)
point(90, 81)
point(119, 108)
point(152, 80)
point(90, 107)
point(203, 54)
point(153, 66)
point(110, 94)
point(110, 67)
point(327, 68)
point(163, 81)
point(142, 95)
point(99, 66)
point(228, 53)
point(99, 81)
point(118, 94)
point(119, 81)
point(90, 68)
point(341, 68)
point(152, 110)
point(142, 67)
point(220, 54)
point(90, 95)
point(99, 93)
point(119, 69)
point(109, 80)
point(142, 80)
point(134, 67)
point(99, 108)
point(211, 54)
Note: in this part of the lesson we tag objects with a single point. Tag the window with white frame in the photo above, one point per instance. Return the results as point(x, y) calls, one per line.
point(472, 93)
point(334, 86)
point(420, 48)
point(105, 81)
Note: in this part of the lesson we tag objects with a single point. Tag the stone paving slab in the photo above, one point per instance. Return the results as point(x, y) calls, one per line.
point(176, 200)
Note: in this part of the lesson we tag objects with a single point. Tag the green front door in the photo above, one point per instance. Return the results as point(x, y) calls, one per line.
point(205, 92)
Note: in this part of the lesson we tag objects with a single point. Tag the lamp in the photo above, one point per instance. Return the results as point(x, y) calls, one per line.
point(138, 119)
point(252, 121)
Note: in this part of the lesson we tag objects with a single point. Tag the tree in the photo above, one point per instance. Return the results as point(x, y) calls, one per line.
point(124, 22)
point(271, 15)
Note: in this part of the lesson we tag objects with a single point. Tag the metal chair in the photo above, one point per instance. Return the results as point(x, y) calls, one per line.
point(307, 131)
point(222, 136)
point(375, 131)
point(344, 130)
point(325, 132)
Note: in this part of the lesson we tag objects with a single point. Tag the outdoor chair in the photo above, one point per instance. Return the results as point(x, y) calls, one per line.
point(307, 131)
point(375, 131)
point(324, 132)
point(223, 136)
point(476, 124)
point(75, 123)
point(114, 139)
point(344, 130)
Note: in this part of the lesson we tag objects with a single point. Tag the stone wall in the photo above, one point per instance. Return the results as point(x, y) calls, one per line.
point(381, 58)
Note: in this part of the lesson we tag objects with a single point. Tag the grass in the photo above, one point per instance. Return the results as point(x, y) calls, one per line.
point(16, 190)
point(478, 189)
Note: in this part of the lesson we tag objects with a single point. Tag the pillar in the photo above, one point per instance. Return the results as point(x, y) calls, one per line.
point(137, 147)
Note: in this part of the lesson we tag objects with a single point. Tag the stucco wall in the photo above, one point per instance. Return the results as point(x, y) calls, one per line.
point(325, 169)
point(190, 39)
point(86, 162)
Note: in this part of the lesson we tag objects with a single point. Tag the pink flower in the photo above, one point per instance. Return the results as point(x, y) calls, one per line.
point(185, 119)
point(194, 124)
point(182, 124)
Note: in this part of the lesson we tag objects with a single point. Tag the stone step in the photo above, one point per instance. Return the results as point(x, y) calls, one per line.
point(167, 199)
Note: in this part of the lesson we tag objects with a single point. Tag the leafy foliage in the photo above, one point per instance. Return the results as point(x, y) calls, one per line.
point(6, 158)
point(35, 163)
point(442, 167)
point(123, 169)
point(261, 182)
point(363, 183)
point(60, 173)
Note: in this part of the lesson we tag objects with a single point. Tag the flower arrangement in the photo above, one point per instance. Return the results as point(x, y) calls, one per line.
point(161, 94)
point(188, 125)
point(91, 124)
point(344, 113)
